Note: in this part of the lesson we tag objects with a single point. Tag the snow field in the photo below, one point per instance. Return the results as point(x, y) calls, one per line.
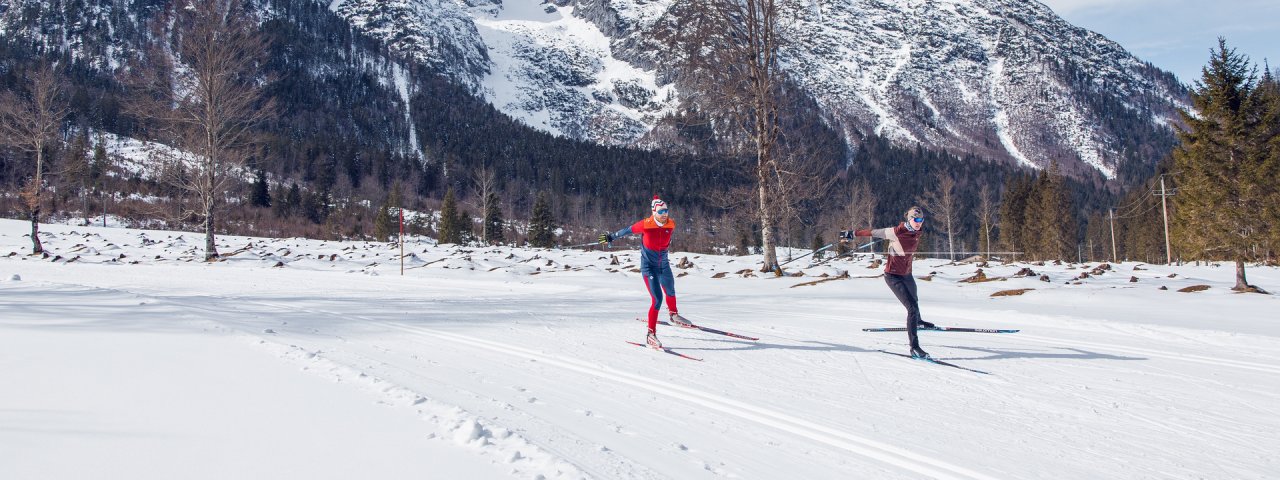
point(510, 363)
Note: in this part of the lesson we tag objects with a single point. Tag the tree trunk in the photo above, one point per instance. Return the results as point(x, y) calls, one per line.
point(210, 245)
point(951, 246)
point(36, 186)
point(1241, 284)
point(36, 247)
point(84, 203)
point(766, 219)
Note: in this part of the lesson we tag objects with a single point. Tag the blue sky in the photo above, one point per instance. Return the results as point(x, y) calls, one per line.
point(1176, 35)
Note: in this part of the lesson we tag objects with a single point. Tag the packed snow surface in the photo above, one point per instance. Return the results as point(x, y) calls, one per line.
point(123, 355)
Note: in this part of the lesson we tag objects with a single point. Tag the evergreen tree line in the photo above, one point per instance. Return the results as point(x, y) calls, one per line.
point(337, 163)
point(1037, 217)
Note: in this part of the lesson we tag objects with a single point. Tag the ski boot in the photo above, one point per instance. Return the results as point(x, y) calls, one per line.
point(652, 341)
point(920, 354)
point(923, 325)
point(679, 321)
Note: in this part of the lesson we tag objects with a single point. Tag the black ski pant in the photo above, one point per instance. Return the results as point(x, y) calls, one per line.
point(904, 287)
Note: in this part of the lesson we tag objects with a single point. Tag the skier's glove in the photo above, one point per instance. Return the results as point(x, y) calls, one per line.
point(606, 238)
point(846, 235)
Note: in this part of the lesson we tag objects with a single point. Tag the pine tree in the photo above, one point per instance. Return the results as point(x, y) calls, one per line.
point(542, 226)
point(1268, 140)
point(288, 202)
point(449, 230)
point(1050, 217)
point(466, 226)
point(315, 206)
point(1222, 193)
point(383, 223)
point(386, 224)
point(100, 162)
point(1013, 207)
point(260, 196)
point(493, 220)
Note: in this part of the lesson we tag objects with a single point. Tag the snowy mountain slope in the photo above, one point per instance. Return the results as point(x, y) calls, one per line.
point(948, 73)
point(556, 72)
point(1000, 78)
point(437, 33)
point(486, 352)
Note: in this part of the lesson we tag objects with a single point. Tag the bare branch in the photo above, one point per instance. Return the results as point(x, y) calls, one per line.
point(206, 100)
point(30, 120)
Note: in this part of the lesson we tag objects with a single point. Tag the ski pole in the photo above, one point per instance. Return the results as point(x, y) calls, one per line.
point(855, 250)
point(829, 245)
point(578, 246)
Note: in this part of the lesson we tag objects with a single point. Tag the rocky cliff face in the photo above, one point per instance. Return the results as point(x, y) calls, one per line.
point(1005, 79)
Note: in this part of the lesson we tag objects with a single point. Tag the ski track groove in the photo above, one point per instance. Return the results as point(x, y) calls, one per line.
point(1137, 351)
point(871, 449)
point(884, 453)
point(561, 455)
point(208, 308)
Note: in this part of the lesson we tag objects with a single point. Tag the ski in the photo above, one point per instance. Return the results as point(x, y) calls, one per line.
point(667, 350)
point(943, 329)
point(705, 329)
point(939, 362)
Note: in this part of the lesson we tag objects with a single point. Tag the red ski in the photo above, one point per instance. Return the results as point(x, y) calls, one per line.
point(667, 350)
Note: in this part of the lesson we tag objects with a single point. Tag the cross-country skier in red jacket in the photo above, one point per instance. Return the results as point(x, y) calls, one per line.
point(903, 239)
point(655, 234)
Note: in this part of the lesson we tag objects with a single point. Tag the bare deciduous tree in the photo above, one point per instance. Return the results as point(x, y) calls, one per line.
point(728, 50)
point(862, 206)
point(30, 121)
point(486, 182)
point(986, 215)
point(208, 102)
point(942, 204)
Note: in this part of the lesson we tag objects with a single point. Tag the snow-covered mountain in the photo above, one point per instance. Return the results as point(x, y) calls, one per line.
point(541, 63)
point(1005, 79)
point(1001, 79)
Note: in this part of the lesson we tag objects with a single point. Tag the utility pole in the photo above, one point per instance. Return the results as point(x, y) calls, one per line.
point(1113, 236)
point(1164, 205)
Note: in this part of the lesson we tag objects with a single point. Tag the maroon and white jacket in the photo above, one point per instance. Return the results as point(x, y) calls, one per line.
point(902, 244)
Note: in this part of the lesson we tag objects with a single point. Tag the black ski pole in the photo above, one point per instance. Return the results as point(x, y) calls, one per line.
point(829, 245)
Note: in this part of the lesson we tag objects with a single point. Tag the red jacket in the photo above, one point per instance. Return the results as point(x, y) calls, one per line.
point(655, 237)
point(902, 244)
point(655, 240)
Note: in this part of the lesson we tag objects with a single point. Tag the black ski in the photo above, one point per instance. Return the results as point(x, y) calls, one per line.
point(939, 362)
point(943, 329)
point(705, 329)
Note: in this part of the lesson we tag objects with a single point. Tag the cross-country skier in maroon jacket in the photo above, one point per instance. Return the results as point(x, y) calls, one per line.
point(897, 272)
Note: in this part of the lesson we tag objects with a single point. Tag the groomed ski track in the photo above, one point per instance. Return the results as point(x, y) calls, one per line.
point(887, 454)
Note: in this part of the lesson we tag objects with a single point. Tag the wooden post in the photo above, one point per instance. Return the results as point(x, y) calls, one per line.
point(402, 241)
point(1113, 236)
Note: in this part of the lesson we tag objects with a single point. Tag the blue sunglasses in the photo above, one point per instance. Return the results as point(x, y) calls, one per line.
point(662, 212)
point(918, 219)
